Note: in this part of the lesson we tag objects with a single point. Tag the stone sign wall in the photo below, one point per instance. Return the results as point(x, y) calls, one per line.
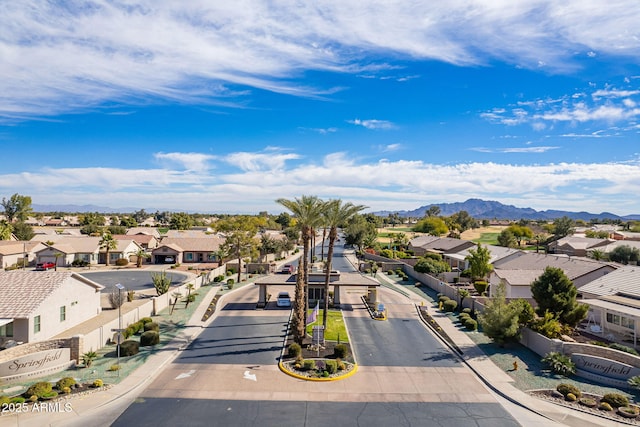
point(36, 364)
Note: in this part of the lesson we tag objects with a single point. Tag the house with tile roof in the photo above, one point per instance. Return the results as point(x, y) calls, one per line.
point(150, 231)
point(37, 305)
point(520, 269)
point(146, 241)
point(64, 250)
point(439, 245)
point(187, 250)
point(576, 246)
point(14, 252)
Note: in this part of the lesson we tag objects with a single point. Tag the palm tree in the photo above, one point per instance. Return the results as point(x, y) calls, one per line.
point(335, 214)
point(108, 243)
point(140, 254)
point(307, 210)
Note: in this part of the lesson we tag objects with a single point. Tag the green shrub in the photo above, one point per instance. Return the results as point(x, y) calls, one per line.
point(480, 286)
point(588, 402)
point(121, 262)
point(5, 400)
point(467, 311)
point(33, 398)
point(39, 389)
point(629, 411)
point(309, 365)
point(463, 318)
point(389, 272)
point(571, 397)
point(443, 298)
point(624, 348)
point(149, 338)
point(560, 363)
point(341, 365)
point(331, 366)
point(616, 400)
point(295, 350)
point(146, 320)
point(450, 305)
point(114, 368)
point(65, 382)
point(230, 283)
point(151, 326)
point(605, 406)
point(98, 383)
point(340, 351)
point(325, 374)
point(128, 332)
point(129, 348)
point(17, 399)
point(565, 389)
point(471, 325)
point(49, 395)
point(66, 390)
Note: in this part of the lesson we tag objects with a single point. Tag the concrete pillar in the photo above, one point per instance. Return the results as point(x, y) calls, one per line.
point(262, 295)
point(372, 294)
point(336, 295)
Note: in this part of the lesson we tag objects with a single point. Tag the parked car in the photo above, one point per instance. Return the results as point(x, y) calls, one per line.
point(284, 300)
point(288, 269)
point(43, 266)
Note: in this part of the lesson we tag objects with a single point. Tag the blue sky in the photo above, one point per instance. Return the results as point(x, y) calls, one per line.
point(226, 106)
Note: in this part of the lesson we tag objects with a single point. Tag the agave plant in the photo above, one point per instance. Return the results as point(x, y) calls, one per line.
point(560, 363)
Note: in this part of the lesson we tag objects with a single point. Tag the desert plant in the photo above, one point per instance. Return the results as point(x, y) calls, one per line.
point(33, 398)
point(605, 406)
point(146, 320)
point(340, 351)
point(149, 338)
point(65, 382)
point(480, 286)
point(131, 295)
point(450, 306)
point(295, 350)
point(230, 283)
point(49, 395)
point(309, 365)
point(151, 326)
point(114, 368)
point(548, 325)
point(616, 400)
point(129, 348)
point(121, 262)
point(116, 299)
point(17, 399)
point(39, 389)
point(467, 311)
point(588, 402)
point(98, 383)
point(89, 357)
point(4, 400)
point(341, 365)
point(629, 411)
point(565, 389)
point(331, 366)
point(634, 381)
point(560, 363)
point(442, 298)
point(161, 282)
point(571, 397)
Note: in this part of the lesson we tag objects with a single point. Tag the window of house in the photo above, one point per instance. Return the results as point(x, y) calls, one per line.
point(211, 257)
point(36, 324)
point(6, 330)
point(188, 256)
point(63, 313)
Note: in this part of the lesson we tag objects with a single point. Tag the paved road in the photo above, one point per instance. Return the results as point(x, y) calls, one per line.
point(131, 279)
point(229, 377)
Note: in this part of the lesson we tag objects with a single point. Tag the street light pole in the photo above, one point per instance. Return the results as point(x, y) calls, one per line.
point(120, 288)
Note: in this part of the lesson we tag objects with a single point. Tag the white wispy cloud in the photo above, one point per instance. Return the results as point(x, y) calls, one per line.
point(514, 149)
point(251, 182)
point(190, 161)
point(59, 57)
point(321, 131)
point(373, 124)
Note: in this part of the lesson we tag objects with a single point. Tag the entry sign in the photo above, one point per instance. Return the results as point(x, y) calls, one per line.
point(318, 334)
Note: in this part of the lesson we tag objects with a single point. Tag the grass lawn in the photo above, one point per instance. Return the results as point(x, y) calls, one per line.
point(335, 326)
point(487, 238)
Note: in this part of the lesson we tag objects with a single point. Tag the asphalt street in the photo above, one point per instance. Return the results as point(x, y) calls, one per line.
point(131, 279)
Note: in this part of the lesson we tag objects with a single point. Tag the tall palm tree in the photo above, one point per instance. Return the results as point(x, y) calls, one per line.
point(108, 243)
point(307, 210)
point(335, 214)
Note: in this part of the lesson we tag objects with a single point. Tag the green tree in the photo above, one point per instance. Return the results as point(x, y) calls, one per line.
point(431, 266)
point(500, 320)
point(507, 239)
point(284, 219)
point(624, 254)
point(307, 211)
point(563, 227)
point(433, 211)
point(181, 221)
point(128, 222)
point(108, 243)
point(597, 254)
point(555, 293)
point(5, 230)
point(141, 255)
point(431, 225)
point(17, 207)
point(92, 218)
point(140, 216)
point(463, 221)
point(520, 232)
point(334, 215)
point(23, 231)
point(360, 233)
point(479, 262)
point(240, 236)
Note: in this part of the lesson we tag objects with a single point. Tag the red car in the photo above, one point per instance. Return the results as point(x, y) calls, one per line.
point(45, 266)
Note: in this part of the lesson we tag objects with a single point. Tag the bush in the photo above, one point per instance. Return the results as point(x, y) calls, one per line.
point(79, 263)
point(151, 326)
point(480, 286)
point(442, 298)
point(389, 272)
point(565, 389)
point(98, 383)
point(341, 365)
point(129, 348)
point(616, 400)
point(17, 399)
point(331, 366)
point(49, 395)
point(560, 364)
point(65, 382)
point(340, 351)
point(624, 348)
point(121, 262)
point(605, 406)
point(588, 402)
point(5, 400)
point(629, 411)
point(129, 331)
point(471, 325)
point(295, 350)
point(467, 311)
point(149, 338)
point(39, 389)
point(450, 306)
point(146, 320)
point(309, 365)
point(463, 317)
point(571, 397)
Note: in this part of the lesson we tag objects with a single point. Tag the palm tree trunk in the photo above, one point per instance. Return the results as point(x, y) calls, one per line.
point(324, 236)
point(106, 261)
point(327, 275)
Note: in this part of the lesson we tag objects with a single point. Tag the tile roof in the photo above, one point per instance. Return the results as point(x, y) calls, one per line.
point(197, 244)
point(572, 267)
point(24, 291)
point(625, 280)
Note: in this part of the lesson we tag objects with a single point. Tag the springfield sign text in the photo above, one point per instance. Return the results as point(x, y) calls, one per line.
point(35, 362)
point(604, 367)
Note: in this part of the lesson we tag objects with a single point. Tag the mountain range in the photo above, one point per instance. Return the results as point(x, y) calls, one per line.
point(489, 209)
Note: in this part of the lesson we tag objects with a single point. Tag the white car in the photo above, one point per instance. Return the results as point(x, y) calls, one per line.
point(284, 300)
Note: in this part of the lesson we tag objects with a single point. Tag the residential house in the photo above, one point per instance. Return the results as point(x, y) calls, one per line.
point(439, 245)
point(187, 250)
point(37, 305)
point(149, 231)
point(145, 241)
point(21, 253)
point(625, 235)
point(576, 246)
point(63, 250)
point(458, 259)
